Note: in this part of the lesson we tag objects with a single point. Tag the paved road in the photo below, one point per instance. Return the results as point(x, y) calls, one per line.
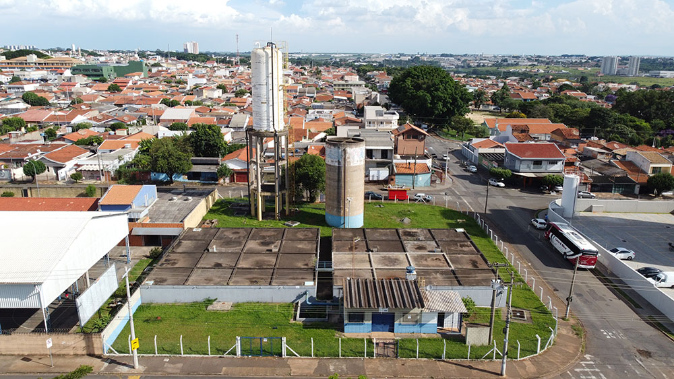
point(619, 343)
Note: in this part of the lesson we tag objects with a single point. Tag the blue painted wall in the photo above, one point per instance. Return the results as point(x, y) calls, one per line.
point(150, 190)
point(355, 221)
point(422, 180)
point(430, 327)
point(357, 327)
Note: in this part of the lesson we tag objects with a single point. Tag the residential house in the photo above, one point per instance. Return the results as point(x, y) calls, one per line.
point(379, 147)
point(497, 126)
point(172, 115)
point(136, 200)
point(567, 137)
point(238, 162)
point(532, 160)
point(483, 151)
point(63, 160)
point(650, 162)
point(376, 117)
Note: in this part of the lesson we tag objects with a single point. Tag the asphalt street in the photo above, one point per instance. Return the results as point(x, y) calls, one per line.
point(619, 343)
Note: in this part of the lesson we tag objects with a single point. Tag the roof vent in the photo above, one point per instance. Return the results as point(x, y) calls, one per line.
point(174, 198)
point(188, 198)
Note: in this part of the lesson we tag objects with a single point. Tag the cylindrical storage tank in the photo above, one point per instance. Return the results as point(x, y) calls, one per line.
point(344, 182)
point(569, 194)
point(267, 88)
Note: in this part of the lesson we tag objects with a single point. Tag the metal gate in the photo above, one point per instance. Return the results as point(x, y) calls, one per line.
point(387, 348)
point(261, 346)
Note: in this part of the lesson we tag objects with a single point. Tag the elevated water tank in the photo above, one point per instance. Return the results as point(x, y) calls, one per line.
point(569, 194)
point(267, 88)
point(344, 182)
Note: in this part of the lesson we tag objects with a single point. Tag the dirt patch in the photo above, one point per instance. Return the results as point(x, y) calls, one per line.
point(645, 353)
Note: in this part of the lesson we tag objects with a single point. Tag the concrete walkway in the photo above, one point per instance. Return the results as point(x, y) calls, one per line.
point(557, 359)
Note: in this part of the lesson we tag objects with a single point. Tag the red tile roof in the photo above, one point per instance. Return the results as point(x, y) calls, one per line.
point(409, 168)
point(78, 204)
point(487, 144)
point(66, 154)
point(120, 195)
point(534, 150)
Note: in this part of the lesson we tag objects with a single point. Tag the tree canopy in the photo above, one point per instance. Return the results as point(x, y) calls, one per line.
point(178, 126)
point(207, 141)
point(552, 180)
point(114, 87)
point(34, 100)
point(224, 171)
point(170, 156)
point(34, 168)
point(310, 175)
point(661, 182)
point(430, 93)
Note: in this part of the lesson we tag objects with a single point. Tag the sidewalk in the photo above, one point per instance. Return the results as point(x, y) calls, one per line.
point(557, 359)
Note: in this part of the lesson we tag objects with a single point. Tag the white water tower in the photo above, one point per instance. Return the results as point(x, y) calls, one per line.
point(267, 83)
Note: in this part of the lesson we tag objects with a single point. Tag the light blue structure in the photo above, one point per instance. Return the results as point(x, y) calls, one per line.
point(420, 180)
point(337, 221)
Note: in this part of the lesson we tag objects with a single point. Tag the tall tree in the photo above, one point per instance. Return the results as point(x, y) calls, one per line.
point(34, 168)
point(429, 92)
point(461, 125)
point(169, 156)
point(207, 141)
point(310, 175)
point(32, 99)
point(479, 98)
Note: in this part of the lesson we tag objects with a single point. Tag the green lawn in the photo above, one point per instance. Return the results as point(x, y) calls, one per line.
point(195, 324)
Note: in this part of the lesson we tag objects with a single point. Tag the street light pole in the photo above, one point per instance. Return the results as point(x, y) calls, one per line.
point(507, 327)
point(133, 330)
point(570, 297)
point(486, 200)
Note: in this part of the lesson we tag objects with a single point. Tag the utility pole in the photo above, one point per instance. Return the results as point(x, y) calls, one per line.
point(507, 327)
point(573, 280)
point(495, 285)
point(486, 199)
point(133, 330)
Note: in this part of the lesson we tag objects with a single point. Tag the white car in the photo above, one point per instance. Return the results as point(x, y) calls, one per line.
point(558, 189)
point(471, 168)
point(622, 253)
point(539, 223)
point(496, 183)
point(422, 197)
point(445, 156)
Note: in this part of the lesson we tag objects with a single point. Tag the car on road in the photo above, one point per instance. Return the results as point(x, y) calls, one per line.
point(496, 183)
point(649, 272)
point(471, 168)
point(373, 195)
point(558, 188)
point(422, 197)
point(539, 223)
point(586, 195)
point(445, 156)
point(622, 253)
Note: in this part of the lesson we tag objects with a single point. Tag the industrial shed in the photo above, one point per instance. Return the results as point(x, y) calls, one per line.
point(44, 253)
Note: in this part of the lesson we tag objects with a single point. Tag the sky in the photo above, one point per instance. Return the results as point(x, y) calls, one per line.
point(547, 27)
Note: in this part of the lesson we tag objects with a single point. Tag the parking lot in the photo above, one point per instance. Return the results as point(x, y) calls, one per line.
point(646, 234)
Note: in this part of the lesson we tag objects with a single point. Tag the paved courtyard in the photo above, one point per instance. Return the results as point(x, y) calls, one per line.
point(647, 234)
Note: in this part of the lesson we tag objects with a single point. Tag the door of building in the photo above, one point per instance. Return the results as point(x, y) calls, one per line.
point(383, 322)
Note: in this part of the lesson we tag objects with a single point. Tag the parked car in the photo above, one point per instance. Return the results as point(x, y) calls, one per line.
point(622, 253)
point(586, 195)
point(471, 168)
point(373, 195)
point(539, 223)
point(434, 156)
point(422, 197)
point(649, 272)
point(558, 188)
point(496, 183)
point(663, 279)
point(445, 156)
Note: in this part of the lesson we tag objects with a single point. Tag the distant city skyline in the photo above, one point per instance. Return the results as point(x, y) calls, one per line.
point(590, 27)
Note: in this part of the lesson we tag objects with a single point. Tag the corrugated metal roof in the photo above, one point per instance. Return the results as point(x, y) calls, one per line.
point(443, 301)
point(35, 242)
point(382, 293)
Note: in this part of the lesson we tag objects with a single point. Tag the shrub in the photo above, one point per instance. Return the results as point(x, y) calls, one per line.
point(91, 190)
point(155, 252)
point(7, 194)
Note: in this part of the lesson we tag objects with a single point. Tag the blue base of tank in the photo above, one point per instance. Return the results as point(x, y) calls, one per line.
point(344, 222)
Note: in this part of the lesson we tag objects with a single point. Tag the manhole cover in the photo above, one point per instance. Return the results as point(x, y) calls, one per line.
point(519, 314)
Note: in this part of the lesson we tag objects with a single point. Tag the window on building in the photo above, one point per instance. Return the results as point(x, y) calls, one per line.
point(538, 163)
point(656, 170)
point(356, 317)
point(411, 318)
